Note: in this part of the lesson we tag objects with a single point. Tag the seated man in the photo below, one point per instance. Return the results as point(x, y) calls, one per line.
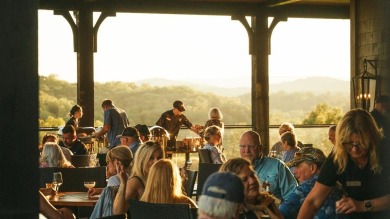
point(70, 141)
point(222, 196)
point(143, 132)
point(270, 171)
point(130, 137)
point(307, 163)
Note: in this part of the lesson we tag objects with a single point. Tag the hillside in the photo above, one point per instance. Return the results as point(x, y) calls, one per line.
point(315, 85)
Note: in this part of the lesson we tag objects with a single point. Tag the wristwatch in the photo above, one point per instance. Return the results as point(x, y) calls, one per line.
point(368, 205)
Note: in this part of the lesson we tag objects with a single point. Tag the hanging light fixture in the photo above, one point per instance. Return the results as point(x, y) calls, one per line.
point(366, 86)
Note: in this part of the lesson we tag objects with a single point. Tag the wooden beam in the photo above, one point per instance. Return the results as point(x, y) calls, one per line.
point(201, 8)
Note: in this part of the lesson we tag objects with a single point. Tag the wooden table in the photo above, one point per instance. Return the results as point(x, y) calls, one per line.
point(73, 199)
point(187, 153)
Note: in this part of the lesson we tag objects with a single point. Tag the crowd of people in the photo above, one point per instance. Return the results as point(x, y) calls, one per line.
point(299, 182)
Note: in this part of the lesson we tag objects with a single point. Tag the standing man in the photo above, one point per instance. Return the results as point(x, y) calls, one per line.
point(381, 108)
point(115, 121)
point(70, 141)
point(269, 170)
point(172, 120)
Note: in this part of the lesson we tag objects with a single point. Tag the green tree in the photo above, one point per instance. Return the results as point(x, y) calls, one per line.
point(323, 114)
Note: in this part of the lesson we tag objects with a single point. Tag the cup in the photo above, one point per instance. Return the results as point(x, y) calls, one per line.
point(49, 185)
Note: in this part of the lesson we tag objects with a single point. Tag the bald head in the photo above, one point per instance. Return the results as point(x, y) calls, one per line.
point(250, 145)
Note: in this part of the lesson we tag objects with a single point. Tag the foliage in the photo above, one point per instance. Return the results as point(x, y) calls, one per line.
point(323, 114)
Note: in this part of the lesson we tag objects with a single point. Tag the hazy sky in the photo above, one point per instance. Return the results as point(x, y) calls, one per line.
point(134, 47)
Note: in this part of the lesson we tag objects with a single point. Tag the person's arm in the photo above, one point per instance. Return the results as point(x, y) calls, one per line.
point(104, 130)
point(49, 211)
point(348, 205)
point(314, 201)
point(287, 182)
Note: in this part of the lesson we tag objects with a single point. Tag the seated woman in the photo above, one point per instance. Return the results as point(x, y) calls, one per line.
point(256, 203)
point(52, 156)
point(117, 158)
point(213, 137)
point(164, 185)
point(147, 154)
point(289, 144)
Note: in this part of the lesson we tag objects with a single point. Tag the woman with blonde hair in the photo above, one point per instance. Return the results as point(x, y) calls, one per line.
point(213, 137)
point(52, 156)
point(164, 185)
point(133, 188)
point(256, 203)
point(360, 162)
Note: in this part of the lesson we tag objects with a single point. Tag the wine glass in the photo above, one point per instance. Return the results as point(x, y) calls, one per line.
point(89, 185)
point(57, 181)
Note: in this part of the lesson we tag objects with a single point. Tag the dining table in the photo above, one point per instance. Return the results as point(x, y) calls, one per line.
point(73, 199)
point(78, 202)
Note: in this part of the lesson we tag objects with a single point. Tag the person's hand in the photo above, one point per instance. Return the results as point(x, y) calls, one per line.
point(47, 191)
point(66, 213)
point(348, 205)
point(94, 191)
point(120, 170)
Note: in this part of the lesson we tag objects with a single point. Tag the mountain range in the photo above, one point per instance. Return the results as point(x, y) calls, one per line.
point(315, 85)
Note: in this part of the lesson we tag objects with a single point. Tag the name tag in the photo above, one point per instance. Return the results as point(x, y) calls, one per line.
point(354, 183)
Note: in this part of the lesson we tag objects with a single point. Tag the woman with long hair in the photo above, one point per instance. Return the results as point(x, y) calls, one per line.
point(52, 156)
point(147, 154)
point(164, 185)
point(360, 162)
point(256, 203)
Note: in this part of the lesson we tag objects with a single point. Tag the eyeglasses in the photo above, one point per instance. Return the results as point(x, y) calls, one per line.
point(249, 147)
point(350, 145)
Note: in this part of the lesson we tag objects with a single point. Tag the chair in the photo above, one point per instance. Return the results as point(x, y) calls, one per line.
point(142, 210)
point(189, 185)
point(204, 156)
point(74, 178)
point(204, 171)
point(102, 159)
point(80, 160)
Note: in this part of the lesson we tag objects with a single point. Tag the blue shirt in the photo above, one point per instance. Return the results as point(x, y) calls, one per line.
point(293, 202)
point(134, 146)
point(277, 174)
point(117, 120)
point(216, 155)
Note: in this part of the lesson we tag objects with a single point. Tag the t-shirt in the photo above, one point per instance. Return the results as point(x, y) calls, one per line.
point(78, 147)
point(360, 184)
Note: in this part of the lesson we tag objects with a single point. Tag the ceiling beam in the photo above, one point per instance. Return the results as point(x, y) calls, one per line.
point(200, 8)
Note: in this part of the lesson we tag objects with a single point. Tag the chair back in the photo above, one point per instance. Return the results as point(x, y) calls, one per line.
point(189, 185)
point(142, 210)
point(204, 155)
point(74, 178)
point(102, 159)
point(204, 171)
point(80, 160)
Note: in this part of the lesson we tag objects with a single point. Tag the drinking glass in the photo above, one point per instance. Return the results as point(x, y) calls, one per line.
point(89, 185)
point(57, 181)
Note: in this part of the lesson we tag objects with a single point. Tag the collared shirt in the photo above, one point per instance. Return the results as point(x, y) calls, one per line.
point(117, 120)
point(173, 123)
point(277, 174)
point(134, 146)
point(293, 202)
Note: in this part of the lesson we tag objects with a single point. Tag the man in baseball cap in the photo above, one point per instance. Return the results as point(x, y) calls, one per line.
point(172, 120)
point(222, 196)
point(307, 164)
point(130, 137)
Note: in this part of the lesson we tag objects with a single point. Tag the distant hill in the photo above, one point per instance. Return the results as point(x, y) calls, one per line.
point(315, 85)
